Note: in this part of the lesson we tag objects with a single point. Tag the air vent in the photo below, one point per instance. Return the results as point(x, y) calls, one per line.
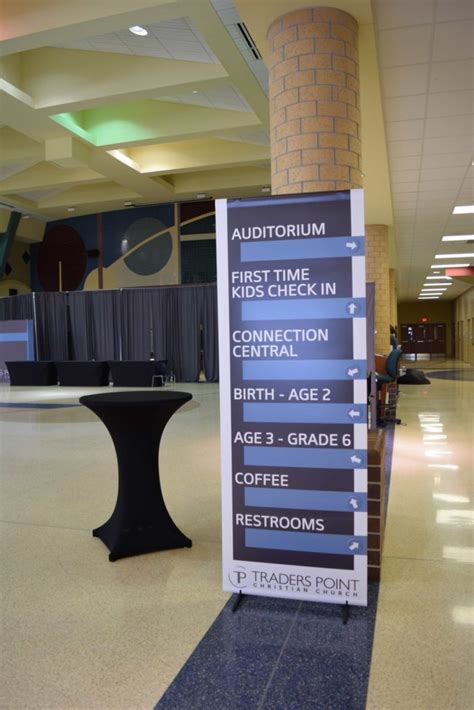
point(249, 40)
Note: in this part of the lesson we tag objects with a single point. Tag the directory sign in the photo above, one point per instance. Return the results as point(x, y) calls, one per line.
point(292, 347)
point(16, 343)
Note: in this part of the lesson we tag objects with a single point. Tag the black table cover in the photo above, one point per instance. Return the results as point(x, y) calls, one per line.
point(82, 373)
point(24, 373)
point(135, 373)
point(136, 420)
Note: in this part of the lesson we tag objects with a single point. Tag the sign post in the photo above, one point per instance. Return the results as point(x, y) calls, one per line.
point(292, 344)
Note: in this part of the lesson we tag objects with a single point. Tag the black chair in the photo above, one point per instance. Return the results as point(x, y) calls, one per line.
point(160, 373)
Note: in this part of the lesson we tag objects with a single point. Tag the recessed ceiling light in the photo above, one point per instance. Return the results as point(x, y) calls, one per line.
point(448, 266)
point(129, 204)
point(464, 209)
point(437, 286)
point(428, 298)
point(26, 216)
point(440, 278)
point(266, 189)
point(434, 288)
point(71, 209)
point(195, 91)
point(467, 255)
point(201, 195)
point(137, 30)
point(457, 237)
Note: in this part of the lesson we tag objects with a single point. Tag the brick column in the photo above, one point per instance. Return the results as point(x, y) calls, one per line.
point(393, 297)
point(314, 101)
point(378, 272)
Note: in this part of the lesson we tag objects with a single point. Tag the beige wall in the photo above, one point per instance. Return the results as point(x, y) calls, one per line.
point(441, 312)
point(464, 320)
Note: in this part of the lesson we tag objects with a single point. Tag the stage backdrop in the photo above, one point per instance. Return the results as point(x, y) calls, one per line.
point(292, 344)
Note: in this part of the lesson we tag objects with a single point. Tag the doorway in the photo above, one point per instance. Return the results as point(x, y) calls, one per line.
point(423, 341)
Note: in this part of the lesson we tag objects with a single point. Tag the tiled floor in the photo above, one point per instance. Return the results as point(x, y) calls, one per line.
point(80, 633)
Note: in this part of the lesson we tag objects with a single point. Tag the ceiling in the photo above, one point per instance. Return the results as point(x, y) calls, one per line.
point(94, 116)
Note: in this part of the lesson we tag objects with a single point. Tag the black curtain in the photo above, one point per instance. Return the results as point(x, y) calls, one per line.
point(210, 333)
point(17, 307)
point(95, 325)
point(176, 323)
point(51, 326)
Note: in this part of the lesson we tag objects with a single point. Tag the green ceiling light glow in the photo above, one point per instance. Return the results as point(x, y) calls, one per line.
point(72, 122)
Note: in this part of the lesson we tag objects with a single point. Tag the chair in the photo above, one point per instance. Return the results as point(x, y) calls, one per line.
point(159, 373)
point(387, 369)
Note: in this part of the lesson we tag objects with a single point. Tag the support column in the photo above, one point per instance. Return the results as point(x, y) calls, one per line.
point(393, 297)
point(314, 101)
point(378, 272)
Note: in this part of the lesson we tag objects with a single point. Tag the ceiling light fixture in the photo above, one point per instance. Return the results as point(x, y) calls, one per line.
point(457, 237)
point(439, 278)
point(448, 266)
point(467, 255)
point(137, 30)
point(266, 189)
point(129, 204)
point(201, 195)
point(464, 209)
point(428, 298)
point(71, 209)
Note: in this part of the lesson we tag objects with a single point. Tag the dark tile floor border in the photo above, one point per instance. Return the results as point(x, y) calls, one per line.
point(278, 654)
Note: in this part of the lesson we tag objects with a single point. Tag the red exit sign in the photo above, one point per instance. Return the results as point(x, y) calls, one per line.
point(424, 319)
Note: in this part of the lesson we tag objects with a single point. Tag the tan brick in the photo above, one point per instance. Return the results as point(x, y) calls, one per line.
point(340, 93)
point(294, 188)
point(318, 185)
point(345, 125)
point(276, 87)
point(282, 38)
point(299, 78)
point(353, 113)
point(315, 125)
point(276, 56)
point(331, 14)
point(315, 93)
point(315, 61)
point(297, 17)
point(313, 29)
point(333, 140)
point(330, 46)
point(278, 117)
point(352, 83)
point(279, 179)
point(344, 64)
point(285, 98)
point(301, 46)
point(301, 110)
point(318, 156)
point(303, 141)
point(356, 177)
point(279, 147)
point(354, 144)
point(334, 172)
point(343, 185)
point(347, 157)
point(341, 32)
point(328, 76)
point(332, 108)
point(284, 68)
point(290, 160)
point(301, 174)
point(352, 52)
point(290, 128)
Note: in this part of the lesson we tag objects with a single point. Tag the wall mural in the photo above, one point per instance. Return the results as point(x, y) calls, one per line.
point(137, 247)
